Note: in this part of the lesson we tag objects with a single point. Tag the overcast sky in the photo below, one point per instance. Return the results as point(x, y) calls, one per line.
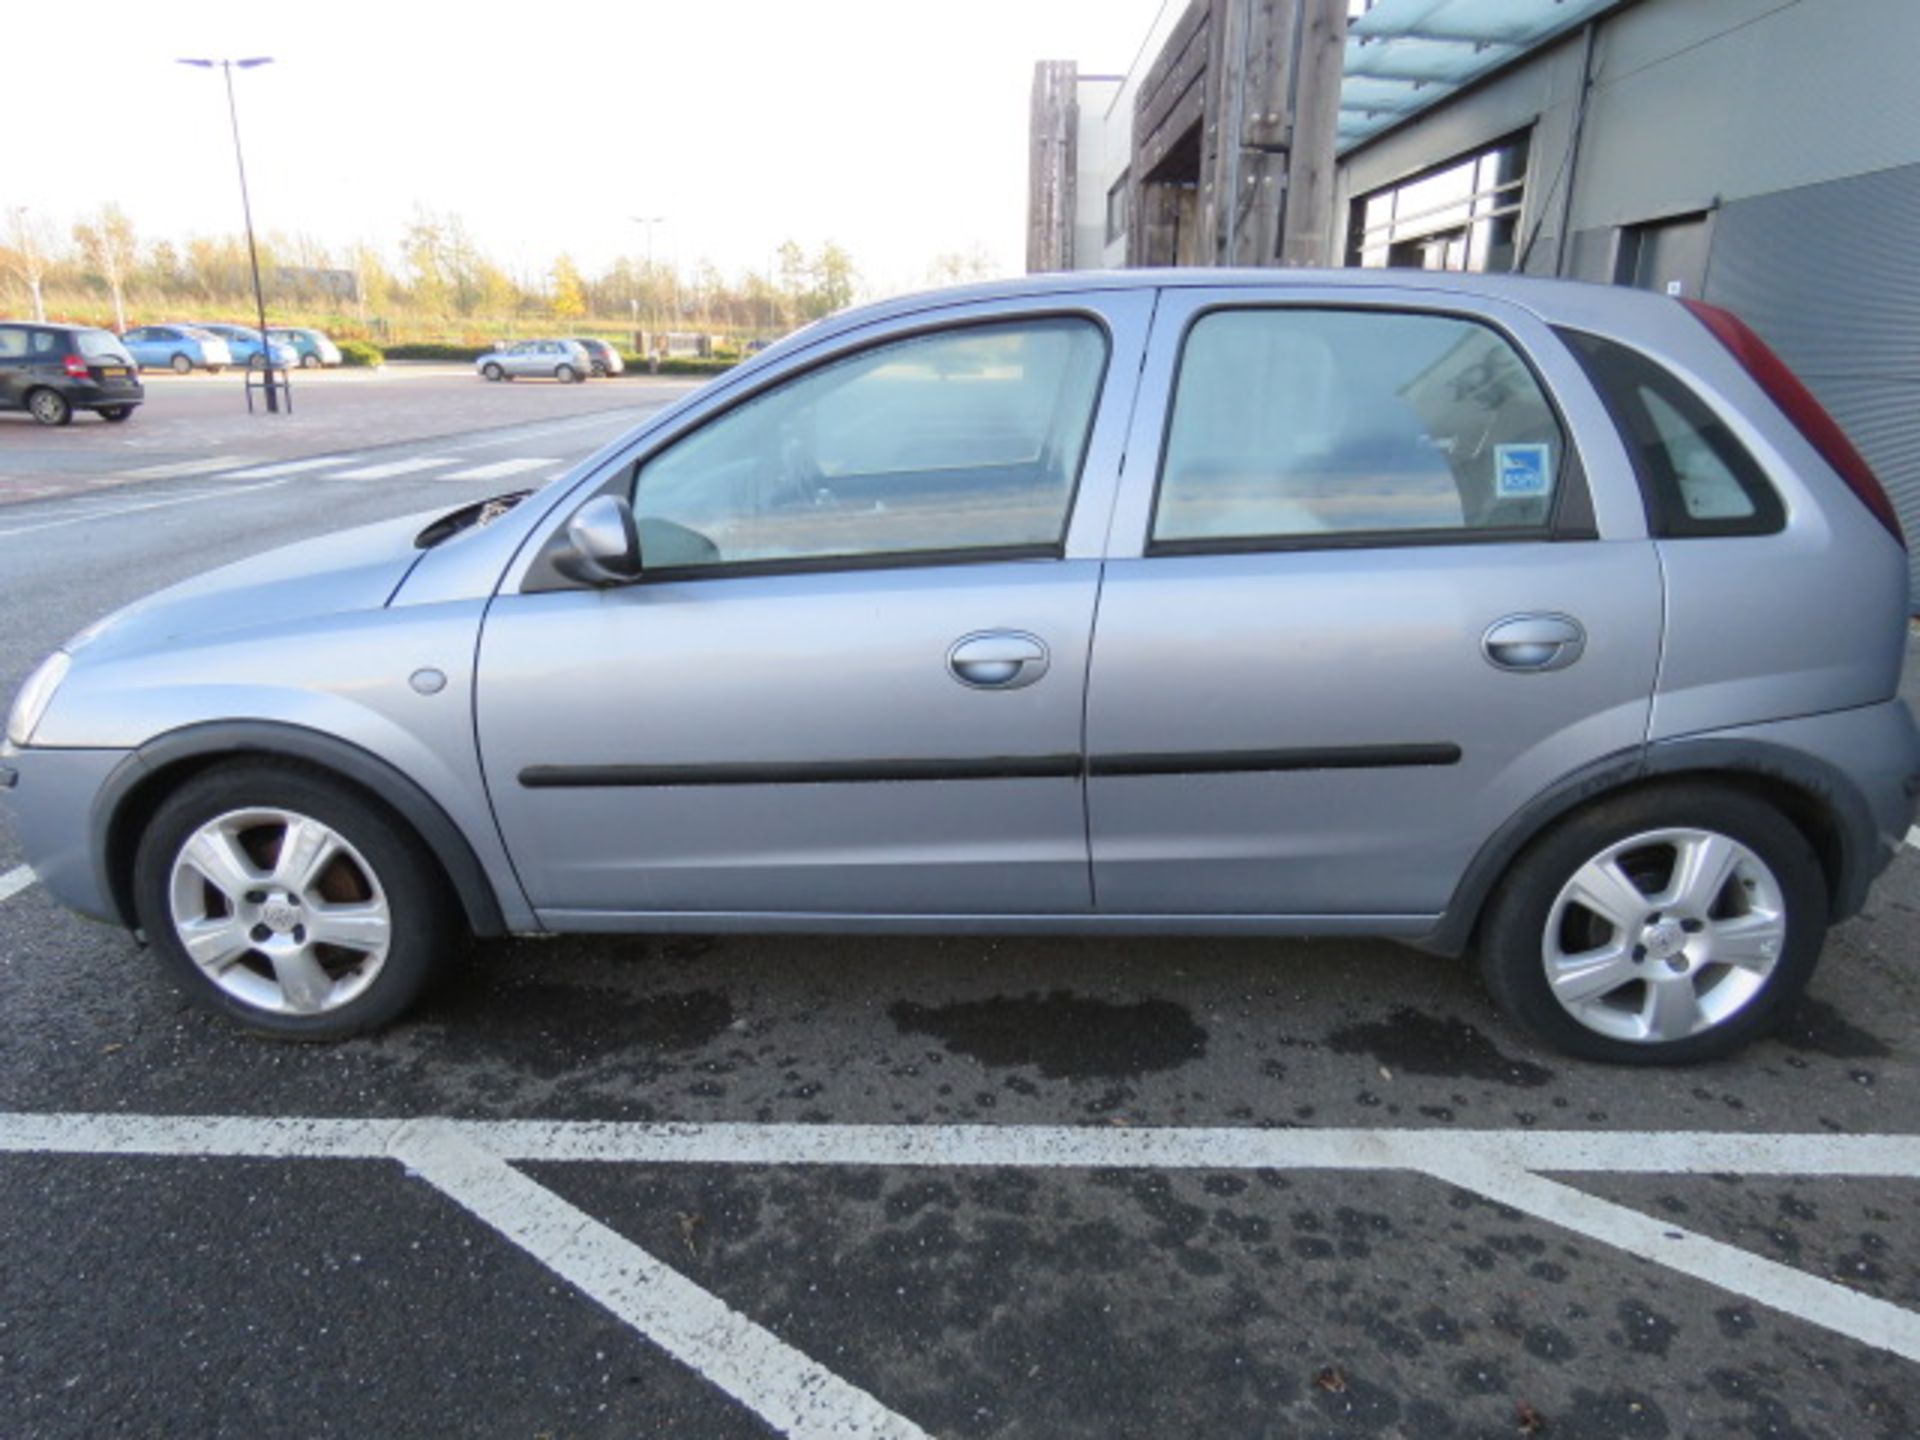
point(897, 127)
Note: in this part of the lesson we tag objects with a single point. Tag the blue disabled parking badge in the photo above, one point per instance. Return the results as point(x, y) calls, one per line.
point(1520, 471)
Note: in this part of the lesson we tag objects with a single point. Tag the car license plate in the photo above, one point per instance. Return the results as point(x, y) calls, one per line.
point(112, 372)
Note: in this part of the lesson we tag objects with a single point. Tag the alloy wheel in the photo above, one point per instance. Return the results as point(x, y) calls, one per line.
point(280, 911)
point(1663, 935)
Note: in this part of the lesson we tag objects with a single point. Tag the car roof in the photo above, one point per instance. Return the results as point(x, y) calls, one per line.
point(1556, 300)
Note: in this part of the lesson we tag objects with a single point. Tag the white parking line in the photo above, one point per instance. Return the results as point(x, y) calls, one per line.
point(16, 880)
point(499, 469)
point(292, 467)
point(107, 514)
point(205, 465)
point(466, 1159)
point(784, 1387)
point(394, 467)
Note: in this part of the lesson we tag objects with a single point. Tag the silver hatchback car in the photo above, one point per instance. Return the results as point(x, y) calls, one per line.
point(1549, 621)
point(565, 360)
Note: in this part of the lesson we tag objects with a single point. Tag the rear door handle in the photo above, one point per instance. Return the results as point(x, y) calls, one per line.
point(997, 659)
point(1534, 642)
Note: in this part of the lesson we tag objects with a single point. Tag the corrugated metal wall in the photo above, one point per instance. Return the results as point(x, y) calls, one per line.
point(1829, 274)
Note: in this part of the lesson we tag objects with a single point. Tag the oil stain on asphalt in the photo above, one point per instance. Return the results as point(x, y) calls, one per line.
point(1423, 1044)
point(1062, 1035)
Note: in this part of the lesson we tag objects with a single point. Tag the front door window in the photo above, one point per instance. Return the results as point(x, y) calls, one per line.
point(964, 441)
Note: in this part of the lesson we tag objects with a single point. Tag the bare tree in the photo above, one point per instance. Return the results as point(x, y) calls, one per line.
point(30, 241)
point(107, 244)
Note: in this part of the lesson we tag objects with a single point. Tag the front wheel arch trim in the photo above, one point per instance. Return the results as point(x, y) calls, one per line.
point(143, 779)
point(1812, 795)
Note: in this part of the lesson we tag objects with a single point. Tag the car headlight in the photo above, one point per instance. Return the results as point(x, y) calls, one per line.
point(31, 703)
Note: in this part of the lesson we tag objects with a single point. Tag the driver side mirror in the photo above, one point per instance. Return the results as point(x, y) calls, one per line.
point(603, 543)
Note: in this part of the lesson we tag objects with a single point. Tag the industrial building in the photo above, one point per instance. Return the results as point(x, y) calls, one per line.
point(1760, 154)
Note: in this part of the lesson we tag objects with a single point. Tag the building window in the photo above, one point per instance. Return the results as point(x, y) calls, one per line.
point(1117, 208)
point(1464, 215)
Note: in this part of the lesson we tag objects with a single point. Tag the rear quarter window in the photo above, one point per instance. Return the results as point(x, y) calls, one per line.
point(1696, 478)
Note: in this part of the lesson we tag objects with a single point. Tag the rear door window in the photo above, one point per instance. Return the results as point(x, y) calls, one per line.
point(1299, 426)
point(13, 342)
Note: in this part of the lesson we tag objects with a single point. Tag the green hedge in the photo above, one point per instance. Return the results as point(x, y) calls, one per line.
point(431, 350)
point(359, 352)
point(636, 364)
point(679, 365)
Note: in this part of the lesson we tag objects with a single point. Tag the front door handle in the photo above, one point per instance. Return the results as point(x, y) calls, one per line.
point(1534, 642)
point(997, 659)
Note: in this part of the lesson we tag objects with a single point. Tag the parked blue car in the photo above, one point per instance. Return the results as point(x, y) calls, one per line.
point(179, 348)
point(245, 345)
point(313, 347)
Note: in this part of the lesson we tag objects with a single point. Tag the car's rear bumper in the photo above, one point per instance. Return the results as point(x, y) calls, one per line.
point(48, 796)
point(87, 396)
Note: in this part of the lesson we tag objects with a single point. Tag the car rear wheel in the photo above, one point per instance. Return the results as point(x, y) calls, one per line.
point(181, 364)
point(116, 413)
point(289, 903)
point(309, 362)
point(1663, 927)
point(565, 374)
point(49, 407)
point(599, 370)
point(492, 372)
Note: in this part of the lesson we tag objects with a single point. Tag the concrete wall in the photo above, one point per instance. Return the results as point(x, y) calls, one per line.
point(1095, 170)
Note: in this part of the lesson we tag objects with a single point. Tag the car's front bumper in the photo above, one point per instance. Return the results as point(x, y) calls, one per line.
point(48, 796)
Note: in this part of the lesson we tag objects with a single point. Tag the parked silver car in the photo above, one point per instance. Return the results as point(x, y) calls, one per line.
point(564, 360)
point(1554, 621)
point(603, 358)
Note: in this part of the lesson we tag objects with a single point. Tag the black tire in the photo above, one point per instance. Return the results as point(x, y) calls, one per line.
point(49, 407)
point(565, 374)
point(599, 370)
point(1513, 933)
point(257, 362)
point(183, 365)
point(424, 925)
point(492, 372)
point(115, 414)
point(309, 361)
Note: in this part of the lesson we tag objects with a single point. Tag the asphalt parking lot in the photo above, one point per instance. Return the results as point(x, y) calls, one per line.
point(964, 1186)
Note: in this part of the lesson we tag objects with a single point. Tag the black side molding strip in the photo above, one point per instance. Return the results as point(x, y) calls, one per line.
point(1327, 757)
point(1000, 767)
point(815, 772)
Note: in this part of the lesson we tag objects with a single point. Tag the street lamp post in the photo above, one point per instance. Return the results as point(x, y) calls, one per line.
point(246, 209)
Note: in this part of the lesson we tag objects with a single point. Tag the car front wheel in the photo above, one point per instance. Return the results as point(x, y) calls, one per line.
point(49, 407)
point(289, 902)
point(181, 364)
point(1663, 927)
point(492, 372)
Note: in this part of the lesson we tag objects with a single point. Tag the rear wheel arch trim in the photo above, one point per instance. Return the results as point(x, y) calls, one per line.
point(1755, 766)
point(186, 751)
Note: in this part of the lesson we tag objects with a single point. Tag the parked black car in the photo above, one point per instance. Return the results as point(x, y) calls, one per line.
point(52, 370)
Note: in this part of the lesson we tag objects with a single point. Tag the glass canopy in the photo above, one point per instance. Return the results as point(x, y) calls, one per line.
point(1405, 55)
